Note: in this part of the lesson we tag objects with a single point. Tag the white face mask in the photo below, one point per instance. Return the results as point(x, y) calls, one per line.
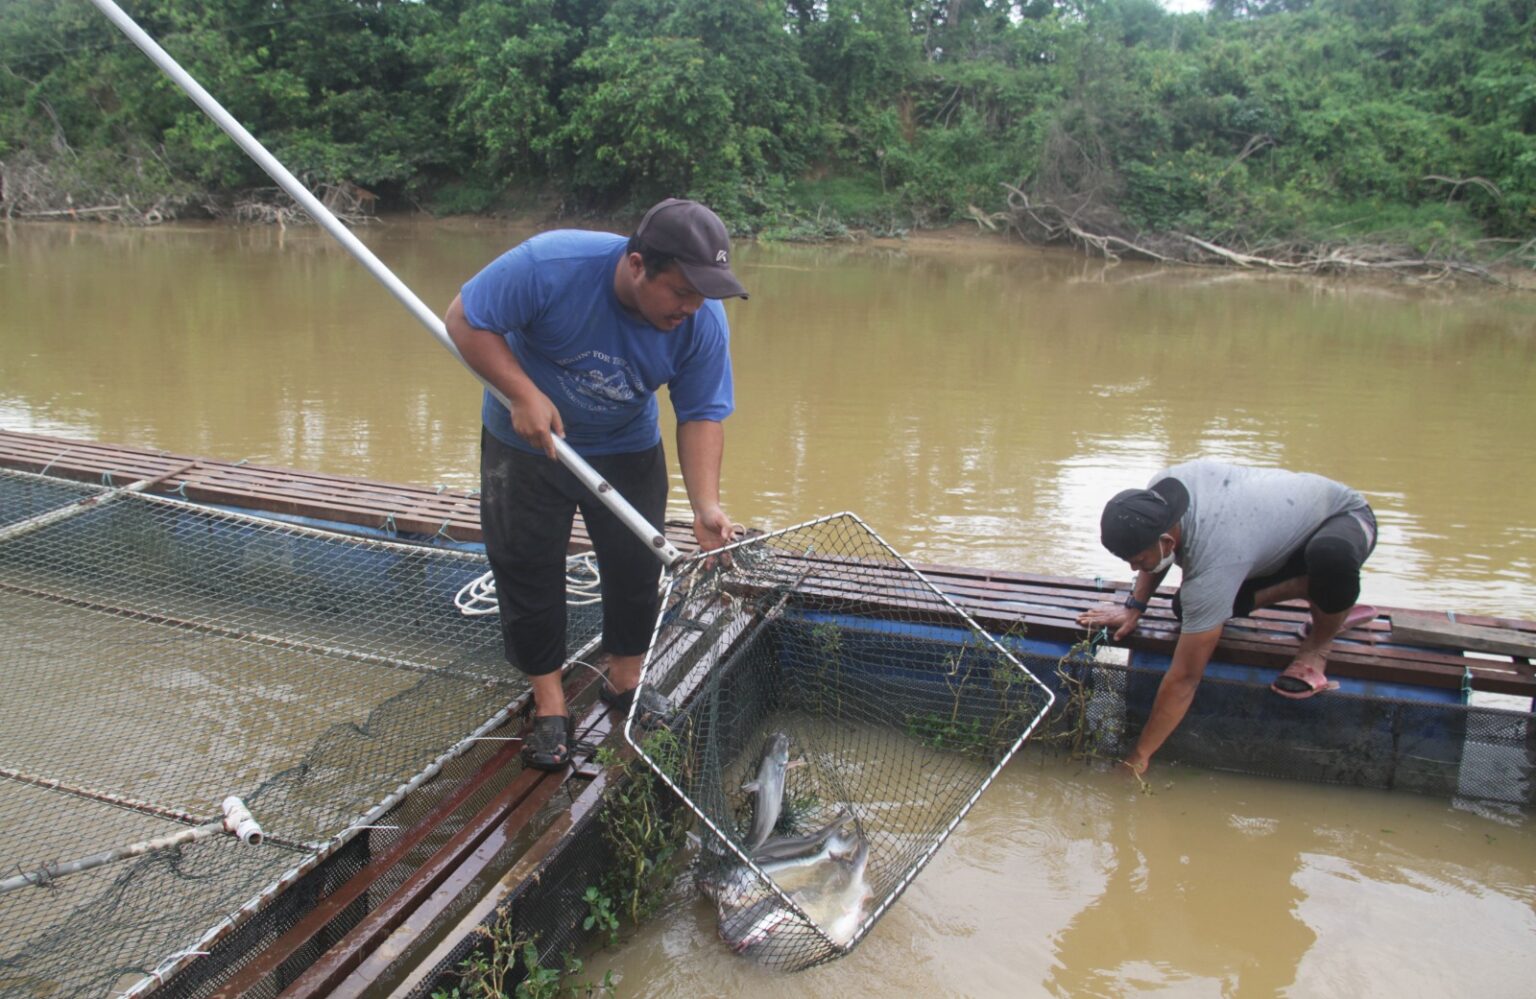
point(1167, 559)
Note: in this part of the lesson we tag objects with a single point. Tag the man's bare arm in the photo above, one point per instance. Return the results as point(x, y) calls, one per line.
point(700, 450)
point(534, 417)
point(1190, 657)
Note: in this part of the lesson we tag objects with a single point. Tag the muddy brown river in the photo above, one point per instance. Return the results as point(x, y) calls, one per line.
point(975, 403)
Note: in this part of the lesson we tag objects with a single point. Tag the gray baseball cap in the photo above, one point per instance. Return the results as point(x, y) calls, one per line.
point(697, 238)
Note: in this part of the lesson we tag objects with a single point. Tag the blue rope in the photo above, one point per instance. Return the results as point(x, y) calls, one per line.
point(389, 525)
point(1098, 582)
point(106, 479)
point(442, 532)
point(51, 461)
point(1466, 684)
point(181, 489)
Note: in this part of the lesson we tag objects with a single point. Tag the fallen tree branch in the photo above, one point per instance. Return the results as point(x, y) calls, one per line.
point(1089, 226)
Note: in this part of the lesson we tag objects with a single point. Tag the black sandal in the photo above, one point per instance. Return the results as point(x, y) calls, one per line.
point(655, 711)
point(548, 746)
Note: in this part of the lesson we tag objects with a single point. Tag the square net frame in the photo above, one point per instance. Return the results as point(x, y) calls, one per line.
point(161, 655)
point(899, 709)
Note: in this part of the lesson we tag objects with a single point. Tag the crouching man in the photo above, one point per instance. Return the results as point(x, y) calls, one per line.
point(1243, 538)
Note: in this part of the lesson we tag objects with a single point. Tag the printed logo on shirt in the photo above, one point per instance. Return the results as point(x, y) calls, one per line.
point(598, 381)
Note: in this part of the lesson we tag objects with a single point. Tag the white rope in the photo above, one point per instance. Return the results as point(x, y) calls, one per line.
point(582, 587)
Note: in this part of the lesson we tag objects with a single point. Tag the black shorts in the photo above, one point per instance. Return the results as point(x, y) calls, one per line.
point(1330, 559)
point(527, 505)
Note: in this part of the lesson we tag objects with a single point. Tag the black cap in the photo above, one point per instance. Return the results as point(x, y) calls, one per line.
point(1135, 518)
point(697, 238)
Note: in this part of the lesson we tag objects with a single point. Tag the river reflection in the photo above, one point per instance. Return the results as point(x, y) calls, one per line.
point(975, 405)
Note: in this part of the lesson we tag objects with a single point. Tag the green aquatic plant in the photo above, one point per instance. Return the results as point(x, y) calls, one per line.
point(827, 691)
point(794, 813)
point(642, 825)
point(508, 959)
point(987, 733)
point(1068, 727)
point(600, 914)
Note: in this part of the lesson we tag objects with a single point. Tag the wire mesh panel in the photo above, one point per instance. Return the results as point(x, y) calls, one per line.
point(838, 716)
point(159, 657)
point(24, 495)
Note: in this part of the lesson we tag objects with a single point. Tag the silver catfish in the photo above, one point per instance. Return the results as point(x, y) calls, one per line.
point(836, 900)
point(767, 789)
point(746, 927)
point(792, 847)
point(737, 886)
point(837, 903)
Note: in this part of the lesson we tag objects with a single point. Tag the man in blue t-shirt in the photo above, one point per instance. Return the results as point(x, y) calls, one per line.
point(579, 329)
point(1243, 538)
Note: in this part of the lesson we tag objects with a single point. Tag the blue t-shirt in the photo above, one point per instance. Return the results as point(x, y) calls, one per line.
point(552, 298)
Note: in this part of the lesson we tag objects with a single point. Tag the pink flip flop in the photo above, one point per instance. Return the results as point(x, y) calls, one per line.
point(1306, 681)
point(1358, 615)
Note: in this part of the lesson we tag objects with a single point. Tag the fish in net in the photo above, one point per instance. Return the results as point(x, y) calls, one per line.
point(834, 716)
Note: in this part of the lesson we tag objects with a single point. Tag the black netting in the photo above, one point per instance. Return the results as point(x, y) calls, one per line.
point(168, 656)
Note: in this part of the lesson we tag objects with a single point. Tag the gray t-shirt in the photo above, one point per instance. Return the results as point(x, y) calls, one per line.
point(1241, 523)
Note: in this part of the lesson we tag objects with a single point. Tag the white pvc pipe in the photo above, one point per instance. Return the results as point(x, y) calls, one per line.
point(654, 539)
point(237, 821)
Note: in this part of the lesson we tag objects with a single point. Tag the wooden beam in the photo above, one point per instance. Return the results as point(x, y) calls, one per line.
point(1438, 630)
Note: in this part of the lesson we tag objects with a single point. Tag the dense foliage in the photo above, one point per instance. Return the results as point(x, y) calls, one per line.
point(1285, 118)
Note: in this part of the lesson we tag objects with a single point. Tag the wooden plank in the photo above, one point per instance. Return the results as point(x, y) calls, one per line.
point(253, 974)
point(1417, 628)
point(447, 873)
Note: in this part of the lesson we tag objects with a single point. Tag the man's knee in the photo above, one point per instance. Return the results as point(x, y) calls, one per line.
point(1333, 574)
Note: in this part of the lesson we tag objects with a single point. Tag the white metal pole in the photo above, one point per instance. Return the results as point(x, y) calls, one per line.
point(654, 539)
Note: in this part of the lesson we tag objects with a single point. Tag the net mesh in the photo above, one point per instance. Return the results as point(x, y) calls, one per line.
point(166, 656)
point(898, 711)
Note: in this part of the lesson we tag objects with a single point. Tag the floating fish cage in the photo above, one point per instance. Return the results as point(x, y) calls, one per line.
point(895, 711)
point(162, 656)
point(1372, 734)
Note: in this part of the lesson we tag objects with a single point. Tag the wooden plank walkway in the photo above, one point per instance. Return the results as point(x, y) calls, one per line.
point(1044, 606)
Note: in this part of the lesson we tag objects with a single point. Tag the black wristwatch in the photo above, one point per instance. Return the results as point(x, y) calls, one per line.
point(1133, 603)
